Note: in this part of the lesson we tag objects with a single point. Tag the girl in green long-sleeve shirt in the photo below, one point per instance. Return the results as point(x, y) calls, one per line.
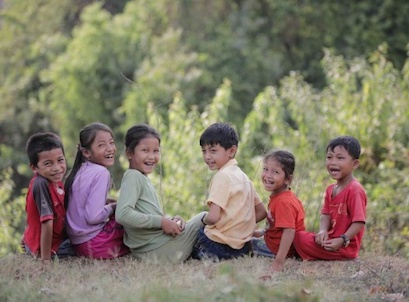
point(149, 234)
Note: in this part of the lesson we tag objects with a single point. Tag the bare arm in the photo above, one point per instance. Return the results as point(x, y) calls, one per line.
point(322, 235)
point(214, 214)
point(46, 239)
point(261, 212)
point(285, 243)
point(336, 243)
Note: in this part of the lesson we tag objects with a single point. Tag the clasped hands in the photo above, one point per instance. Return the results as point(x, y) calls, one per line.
point(322, 239)
point(173, 226)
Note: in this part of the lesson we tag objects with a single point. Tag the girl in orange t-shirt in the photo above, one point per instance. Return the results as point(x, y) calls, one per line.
point(285, 214)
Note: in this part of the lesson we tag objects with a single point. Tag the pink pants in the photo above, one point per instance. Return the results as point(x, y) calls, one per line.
point(106, 245)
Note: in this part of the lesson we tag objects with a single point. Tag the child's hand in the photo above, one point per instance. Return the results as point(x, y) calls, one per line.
point(259, 233)
point(333, 244)
point(110, 200)
point(321, 237)
point(170, 227)
point(179, 221)
point(277, 267)
point(113, 206)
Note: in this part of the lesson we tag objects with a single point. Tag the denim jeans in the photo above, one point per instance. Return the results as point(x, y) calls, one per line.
point(208, 249)
point(260, 249)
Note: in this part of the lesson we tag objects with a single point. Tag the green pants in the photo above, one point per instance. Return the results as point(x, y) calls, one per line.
point(177, 249)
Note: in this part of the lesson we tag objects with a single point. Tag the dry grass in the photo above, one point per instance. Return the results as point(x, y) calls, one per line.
point(371, 278)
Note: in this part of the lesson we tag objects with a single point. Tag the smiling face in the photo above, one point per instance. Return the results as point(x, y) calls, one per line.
point(273, 176)
point(51, 165)
point(340, 164)
point(215, 156)
point(145, 156)
point(102, 151)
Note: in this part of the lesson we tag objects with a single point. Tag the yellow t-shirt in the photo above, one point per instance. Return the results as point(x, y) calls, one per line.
point(234, 193)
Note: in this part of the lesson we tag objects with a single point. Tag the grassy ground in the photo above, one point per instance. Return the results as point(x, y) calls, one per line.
point(371, 278)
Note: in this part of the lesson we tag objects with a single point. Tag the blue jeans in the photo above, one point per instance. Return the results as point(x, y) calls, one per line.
point(208, 249)
point(260, 249)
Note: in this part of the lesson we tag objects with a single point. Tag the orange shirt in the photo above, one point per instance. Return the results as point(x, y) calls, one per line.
point(287, 212)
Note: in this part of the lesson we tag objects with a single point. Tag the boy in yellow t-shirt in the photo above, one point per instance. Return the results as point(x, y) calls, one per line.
point(234, 205)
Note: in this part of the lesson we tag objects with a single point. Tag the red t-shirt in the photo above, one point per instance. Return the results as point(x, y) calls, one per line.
point(287, 212)
point(347, 207)
point(44, 201)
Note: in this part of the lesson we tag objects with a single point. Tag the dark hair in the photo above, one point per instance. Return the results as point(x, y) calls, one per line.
point(351, 144)
point(219, 133)
point(39, 142)
point(87, 137)
point(137, 133)
point(285, 158)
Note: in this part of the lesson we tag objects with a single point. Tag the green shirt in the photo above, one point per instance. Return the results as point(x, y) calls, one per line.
point(140, 212)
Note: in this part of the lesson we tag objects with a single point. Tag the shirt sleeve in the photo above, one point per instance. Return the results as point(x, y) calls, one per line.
point(219, 192)
point(285, 215)
point(357, 205)
point(96, 210)
point(42, 199)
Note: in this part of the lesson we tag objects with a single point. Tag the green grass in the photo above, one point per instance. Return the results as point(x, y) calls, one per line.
point(371, 278)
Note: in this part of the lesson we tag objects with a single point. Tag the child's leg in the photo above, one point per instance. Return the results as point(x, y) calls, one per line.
point(177, 249)
point(205, 248)
point(259, 248)
point(304, 243)
point(66, 249)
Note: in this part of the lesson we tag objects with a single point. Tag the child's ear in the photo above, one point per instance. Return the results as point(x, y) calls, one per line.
point(289, 180)
point(86, 153)
point(233, 150)
point(34, 168)
point(356, 163)
point(128, 154)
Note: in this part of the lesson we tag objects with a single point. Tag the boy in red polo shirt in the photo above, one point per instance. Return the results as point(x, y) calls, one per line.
point(44, 233)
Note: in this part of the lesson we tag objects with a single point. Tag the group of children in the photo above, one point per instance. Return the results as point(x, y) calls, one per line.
point(80, 218)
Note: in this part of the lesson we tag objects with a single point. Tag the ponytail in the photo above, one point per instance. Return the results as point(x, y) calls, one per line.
point(79, 159)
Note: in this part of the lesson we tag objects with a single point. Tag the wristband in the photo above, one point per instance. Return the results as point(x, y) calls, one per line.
point(346, 240)
point(202, 219)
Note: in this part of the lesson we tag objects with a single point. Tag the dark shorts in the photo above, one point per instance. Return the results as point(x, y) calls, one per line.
point(209, 249)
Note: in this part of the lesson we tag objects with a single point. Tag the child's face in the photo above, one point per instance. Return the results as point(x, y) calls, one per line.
point(102, 150)
point(51, 165)
point(340, 164)
point(145, 155)
point(273, 176)
point(216, 156)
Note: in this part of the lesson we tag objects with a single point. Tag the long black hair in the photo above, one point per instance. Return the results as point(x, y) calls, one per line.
point(87, 137)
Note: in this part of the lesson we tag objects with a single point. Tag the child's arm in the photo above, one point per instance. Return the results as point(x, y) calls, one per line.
point(335, 244)
point(285, 243)
point(46, 239)
point(213, 216)
point(261, 212)
point(322, 235)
